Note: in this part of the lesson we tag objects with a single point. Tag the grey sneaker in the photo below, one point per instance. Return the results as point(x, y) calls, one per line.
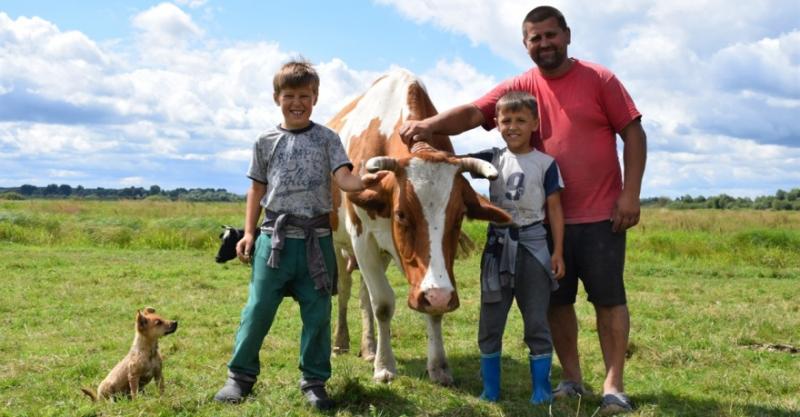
point(615, 404)
point(314, 391)
point(568, 389)
point(236, 388)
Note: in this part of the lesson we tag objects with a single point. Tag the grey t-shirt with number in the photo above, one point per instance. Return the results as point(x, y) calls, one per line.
point(297, 165)
point(523, 183)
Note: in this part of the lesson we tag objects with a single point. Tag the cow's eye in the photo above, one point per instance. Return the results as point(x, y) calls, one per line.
point(158, 322)
point(401, 218)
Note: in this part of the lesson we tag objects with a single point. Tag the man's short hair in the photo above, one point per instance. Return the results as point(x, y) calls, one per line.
point(517, 100)
point(295, 74)
point(543, 13)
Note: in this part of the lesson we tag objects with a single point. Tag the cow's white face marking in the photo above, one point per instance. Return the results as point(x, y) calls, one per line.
point(386, 100)
point(433, 183)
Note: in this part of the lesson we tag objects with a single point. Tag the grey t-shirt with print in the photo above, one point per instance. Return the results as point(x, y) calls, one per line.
point(523, 183)
point(297, 165)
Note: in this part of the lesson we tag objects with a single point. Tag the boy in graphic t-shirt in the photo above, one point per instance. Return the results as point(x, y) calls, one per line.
point(516, 262)
point(291, 171)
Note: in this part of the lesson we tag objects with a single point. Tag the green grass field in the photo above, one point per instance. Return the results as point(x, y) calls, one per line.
point(709, 292)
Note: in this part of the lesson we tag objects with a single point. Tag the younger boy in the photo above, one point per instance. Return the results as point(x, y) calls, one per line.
point(516, 262)
point(291, 171)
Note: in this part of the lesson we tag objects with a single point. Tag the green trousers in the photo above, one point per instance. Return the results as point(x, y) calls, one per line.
point(268, 286)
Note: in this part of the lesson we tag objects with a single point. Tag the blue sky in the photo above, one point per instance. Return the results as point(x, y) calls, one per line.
point(114, 93)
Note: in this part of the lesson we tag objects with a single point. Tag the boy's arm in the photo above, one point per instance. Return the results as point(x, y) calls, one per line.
point(556, 218)
point(348, 182)
point(244, 248)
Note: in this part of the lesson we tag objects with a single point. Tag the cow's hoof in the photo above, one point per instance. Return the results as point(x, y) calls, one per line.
point(441, 376)
point(383, 375)
point(367, 354)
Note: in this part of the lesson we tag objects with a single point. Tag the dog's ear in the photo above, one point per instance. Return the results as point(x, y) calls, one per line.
point(149, 310)
point(141, 320)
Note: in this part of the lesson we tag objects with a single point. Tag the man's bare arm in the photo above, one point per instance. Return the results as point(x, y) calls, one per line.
point(452, 122)
point(634, 155)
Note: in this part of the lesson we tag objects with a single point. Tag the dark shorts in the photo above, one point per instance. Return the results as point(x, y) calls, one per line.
point(595, 255)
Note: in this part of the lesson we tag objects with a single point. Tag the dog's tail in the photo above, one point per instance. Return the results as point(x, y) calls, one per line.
point(90, 393)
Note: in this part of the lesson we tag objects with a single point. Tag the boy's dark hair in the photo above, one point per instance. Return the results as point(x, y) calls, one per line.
point(517, 100)
point(543, 13)
point(295, 74)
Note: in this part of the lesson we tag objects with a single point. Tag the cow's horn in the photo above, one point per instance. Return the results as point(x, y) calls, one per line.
point(381, 163)
point(478, 167)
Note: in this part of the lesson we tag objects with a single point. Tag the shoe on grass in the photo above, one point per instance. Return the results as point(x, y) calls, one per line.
point(569, 389)
point(237, 387)
point(615, 404)
point(316, 395)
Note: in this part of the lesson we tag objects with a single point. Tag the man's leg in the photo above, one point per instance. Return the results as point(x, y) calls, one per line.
point(564, 331)
point(613, 327)
point(561, 315)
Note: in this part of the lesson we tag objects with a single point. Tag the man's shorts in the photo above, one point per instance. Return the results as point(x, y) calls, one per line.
point(595, 255)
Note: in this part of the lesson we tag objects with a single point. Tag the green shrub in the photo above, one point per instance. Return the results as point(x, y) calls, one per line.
point(11, 195)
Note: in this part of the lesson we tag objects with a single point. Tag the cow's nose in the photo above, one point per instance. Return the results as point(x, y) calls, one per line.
point(438, 298)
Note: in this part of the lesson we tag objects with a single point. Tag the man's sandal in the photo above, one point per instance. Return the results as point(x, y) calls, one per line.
point(615, 404)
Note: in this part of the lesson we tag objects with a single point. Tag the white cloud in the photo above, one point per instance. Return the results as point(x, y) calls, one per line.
point(717, 83)
point(770, 66)
point(681, 56)
point(166, 24)
point(64, 173)
point(131, 181)
point(239, 155)
point(495, 24)
point(192, 3)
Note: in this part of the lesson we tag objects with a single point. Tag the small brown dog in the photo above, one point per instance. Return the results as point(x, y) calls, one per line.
point(143, 361)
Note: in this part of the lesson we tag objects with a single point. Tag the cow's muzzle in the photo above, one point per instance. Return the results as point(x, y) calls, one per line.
point(434, 301)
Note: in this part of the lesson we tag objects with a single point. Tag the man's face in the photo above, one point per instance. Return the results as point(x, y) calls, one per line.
point(547, 44)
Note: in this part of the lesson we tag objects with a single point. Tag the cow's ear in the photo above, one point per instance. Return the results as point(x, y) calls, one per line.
point(479, 208)
point(375, 199)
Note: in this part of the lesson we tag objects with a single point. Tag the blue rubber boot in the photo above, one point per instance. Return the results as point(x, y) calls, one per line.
point(540, 378)
point(490, 373)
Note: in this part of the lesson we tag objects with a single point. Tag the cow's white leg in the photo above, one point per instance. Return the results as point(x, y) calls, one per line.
point(367, 351)
point(341, 334)
point(438, 369)
point(373, 272)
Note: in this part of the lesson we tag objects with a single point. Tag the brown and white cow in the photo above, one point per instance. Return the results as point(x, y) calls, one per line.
point(413, 216)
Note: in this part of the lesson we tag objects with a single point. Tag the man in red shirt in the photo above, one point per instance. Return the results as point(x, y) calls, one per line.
point(582, 108)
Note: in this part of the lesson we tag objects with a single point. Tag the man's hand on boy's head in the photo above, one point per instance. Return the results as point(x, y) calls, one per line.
point(415, 131)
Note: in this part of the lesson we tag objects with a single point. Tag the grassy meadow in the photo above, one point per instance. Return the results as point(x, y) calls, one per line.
point(714, 298)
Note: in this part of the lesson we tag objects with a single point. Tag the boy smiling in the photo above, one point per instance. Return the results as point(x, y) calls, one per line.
point(294, 253)
point(516, 261)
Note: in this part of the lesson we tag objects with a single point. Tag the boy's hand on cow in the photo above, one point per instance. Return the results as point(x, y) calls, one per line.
point(371, 179)
point(557, 263)
point(244, 248)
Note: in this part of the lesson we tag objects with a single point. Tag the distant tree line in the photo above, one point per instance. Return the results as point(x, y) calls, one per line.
point(155, 192)
point(782, 200)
